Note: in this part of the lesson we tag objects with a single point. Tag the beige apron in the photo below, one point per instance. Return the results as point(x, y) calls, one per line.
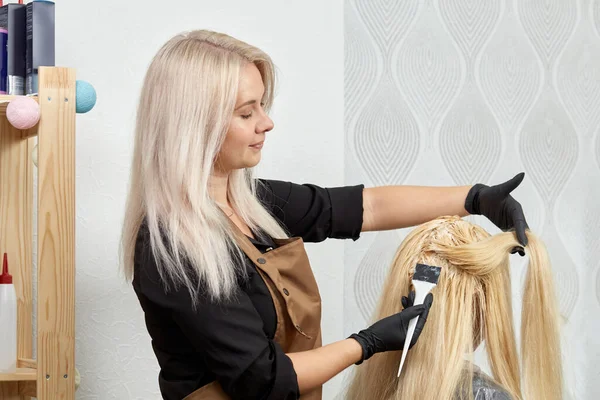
point(289, 277)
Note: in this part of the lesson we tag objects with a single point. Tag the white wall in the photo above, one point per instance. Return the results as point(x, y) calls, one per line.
point(113, 350)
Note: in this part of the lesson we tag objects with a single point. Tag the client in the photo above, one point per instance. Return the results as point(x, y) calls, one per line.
point(472, 305)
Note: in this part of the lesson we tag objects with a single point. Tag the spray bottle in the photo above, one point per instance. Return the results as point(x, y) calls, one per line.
point(8, 321)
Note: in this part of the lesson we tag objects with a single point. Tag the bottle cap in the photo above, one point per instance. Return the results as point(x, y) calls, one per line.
point(5, 278)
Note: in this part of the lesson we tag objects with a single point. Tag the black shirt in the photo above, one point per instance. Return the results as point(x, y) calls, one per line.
point(233, 342)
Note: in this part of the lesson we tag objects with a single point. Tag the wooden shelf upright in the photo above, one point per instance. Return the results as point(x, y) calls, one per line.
point(52, 374)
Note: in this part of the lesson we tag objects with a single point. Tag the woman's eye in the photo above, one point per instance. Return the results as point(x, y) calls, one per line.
point(247, 116)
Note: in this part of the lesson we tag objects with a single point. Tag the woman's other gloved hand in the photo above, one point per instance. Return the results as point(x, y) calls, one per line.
point(389, 334)
point(496, 203)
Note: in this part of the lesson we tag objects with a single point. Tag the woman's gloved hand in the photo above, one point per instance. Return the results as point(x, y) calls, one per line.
point(496, 203)
point(389, 334)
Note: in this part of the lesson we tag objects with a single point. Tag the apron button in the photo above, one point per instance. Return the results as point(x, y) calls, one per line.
point(262, 261)
point(286, 292)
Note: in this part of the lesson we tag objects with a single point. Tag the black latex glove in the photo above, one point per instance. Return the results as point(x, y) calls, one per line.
point(389, 333)
point(496, 203)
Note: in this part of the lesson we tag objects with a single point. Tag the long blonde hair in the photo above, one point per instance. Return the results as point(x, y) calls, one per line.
point(472, 303)
point(185, 107)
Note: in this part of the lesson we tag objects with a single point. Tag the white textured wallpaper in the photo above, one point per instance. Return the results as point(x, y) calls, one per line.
point(455, 92)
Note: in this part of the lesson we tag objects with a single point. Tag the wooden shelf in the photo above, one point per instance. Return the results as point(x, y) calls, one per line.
point(5, 99)
point(22, 374)
point(52, 375)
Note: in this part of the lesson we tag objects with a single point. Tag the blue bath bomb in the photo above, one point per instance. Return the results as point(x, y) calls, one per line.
point(86, 97)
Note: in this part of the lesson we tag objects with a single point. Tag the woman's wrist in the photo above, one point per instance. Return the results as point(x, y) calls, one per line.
point(364, 353)
point(355, 351)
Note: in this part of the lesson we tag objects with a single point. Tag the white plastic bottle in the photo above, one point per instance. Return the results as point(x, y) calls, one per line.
point(8, 321)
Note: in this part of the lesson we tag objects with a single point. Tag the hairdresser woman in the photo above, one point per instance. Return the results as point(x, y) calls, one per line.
point(217, 258)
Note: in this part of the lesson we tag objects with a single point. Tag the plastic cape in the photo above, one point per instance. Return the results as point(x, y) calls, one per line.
point(485, 388)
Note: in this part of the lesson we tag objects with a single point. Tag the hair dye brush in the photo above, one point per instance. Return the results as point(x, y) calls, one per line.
point(424, 279)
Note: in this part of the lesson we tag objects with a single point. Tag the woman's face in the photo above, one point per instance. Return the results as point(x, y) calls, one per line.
point(249, 123)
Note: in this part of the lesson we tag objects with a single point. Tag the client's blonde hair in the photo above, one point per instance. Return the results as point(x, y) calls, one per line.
point(472, 303)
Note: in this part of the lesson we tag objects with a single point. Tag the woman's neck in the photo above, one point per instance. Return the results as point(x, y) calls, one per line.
point(218, 188)
point(218, 185)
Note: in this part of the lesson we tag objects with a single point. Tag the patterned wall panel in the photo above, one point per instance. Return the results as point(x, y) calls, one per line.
point(596, 21)
point(382, 129)
point(470, 140)
point(509, 72)
point(428, 69)
point(578, 75)
point(386, 136)
point(598, 148)
point(549, 142)
point(473, 91)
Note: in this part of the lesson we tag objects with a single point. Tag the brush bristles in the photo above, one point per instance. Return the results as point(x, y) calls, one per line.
point(427, 273)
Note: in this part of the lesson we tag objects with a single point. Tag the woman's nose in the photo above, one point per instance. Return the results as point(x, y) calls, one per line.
point(266, 125)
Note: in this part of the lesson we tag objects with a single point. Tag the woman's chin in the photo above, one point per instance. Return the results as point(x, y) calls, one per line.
point(253, 161)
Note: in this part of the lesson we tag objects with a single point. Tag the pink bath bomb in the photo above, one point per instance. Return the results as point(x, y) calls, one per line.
point(23, 112)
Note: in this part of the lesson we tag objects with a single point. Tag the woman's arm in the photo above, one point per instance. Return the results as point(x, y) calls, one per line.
point(395, 207)
point(312, 212)
point(315, 367)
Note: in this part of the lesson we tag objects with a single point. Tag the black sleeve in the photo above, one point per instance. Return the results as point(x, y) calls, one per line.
point(313, 212)
point(230, 338)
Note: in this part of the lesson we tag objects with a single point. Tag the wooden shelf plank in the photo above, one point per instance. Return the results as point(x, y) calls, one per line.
point(56, 235)
point(22, 374)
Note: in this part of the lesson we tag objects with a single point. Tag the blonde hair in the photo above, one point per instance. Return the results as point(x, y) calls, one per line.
point(185, 107)
point(472, 302)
